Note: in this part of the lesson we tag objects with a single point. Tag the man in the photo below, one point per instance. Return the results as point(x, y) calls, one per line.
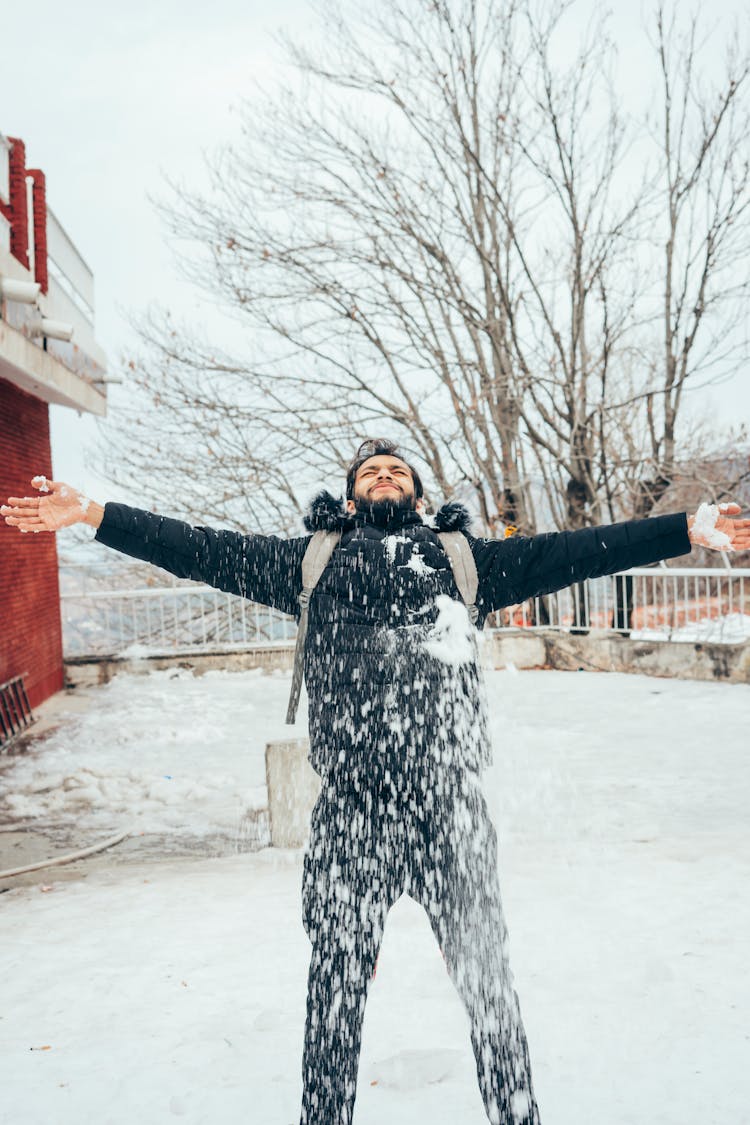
point(398, 733)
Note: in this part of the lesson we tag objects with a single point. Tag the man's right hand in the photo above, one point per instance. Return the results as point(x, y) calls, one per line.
point(59, 505)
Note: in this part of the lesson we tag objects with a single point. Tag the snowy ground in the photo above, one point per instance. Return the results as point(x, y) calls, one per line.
point(728, 629)
point(175, 991)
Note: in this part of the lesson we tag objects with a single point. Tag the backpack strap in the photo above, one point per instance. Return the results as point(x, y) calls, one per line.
point(464, 567)
point(319, 550)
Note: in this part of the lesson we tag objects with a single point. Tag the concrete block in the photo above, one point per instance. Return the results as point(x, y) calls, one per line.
point(293, 787)
point(523, 650)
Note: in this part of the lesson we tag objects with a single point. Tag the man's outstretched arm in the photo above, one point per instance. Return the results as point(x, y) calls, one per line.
point(511, 570)
point(262, 568)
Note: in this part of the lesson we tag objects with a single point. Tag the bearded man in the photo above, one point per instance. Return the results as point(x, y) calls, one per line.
point(398, 731)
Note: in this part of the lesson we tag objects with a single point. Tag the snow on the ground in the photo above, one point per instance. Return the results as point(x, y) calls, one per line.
point(176, 991)
point(167, 751)
point(732, 628)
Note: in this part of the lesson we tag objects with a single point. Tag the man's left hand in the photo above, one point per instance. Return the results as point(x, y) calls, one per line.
point(733, 534)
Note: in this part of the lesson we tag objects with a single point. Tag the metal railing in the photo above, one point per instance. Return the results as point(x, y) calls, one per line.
point(66, 263)
point(656, 603)
point(15, 711)
point(70, 298)
point(166, 620)
point(653, 603)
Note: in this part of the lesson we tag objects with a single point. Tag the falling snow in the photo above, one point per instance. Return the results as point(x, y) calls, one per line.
point(402, 808)
point(452, 639)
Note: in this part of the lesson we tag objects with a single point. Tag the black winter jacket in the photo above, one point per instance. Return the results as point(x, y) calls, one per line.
point(381, 692)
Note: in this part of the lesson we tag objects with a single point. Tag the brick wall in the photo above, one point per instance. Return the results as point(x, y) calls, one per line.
point(30, 630)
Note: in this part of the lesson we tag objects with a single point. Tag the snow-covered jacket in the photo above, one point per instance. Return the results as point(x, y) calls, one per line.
point(383, 688)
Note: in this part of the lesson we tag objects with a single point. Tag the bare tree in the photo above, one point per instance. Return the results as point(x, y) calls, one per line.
point(703, 195)
point(579, 276)
point(384, 287)
point(429, 235)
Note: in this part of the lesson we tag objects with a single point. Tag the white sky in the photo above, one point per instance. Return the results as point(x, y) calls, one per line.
point(108, 100)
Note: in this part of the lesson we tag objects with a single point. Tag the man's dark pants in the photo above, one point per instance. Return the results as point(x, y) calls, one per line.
point(369, 842)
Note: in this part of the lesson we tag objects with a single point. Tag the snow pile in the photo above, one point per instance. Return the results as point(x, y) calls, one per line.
point(160, 803)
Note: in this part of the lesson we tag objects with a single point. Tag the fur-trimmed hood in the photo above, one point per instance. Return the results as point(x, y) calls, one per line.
point(327, 513)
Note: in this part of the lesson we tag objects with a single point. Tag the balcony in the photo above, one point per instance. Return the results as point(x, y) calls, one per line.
point(47, 344)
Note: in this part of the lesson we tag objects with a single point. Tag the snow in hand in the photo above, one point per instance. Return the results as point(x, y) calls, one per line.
point(705, 525)
point(176, 990)
point(40, 482)
point(83, 501)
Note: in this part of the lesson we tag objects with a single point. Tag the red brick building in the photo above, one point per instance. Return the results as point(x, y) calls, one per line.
point(48, 353)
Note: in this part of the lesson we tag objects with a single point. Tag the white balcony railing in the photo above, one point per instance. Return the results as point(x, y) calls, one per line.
point(67, 266)
point(70, 299)
point(83, 354)
point(649, 603)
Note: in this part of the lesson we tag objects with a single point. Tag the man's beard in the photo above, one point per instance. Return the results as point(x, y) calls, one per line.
point(382, 512)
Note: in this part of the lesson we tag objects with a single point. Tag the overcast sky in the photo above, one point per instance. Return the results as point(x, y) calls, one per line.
point(108, 100)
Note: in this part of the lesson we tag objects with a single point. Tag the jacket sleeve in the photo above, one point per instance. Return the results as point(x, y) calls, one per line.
point(262, 568)
point(511, 570)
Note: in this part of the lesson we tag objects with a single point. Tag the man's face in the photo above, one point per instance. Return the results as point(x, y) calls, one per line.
point(381, 479)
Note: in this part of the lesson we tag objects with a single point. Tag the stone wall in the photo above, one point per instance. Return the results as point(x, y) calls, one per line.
point(599, 652)
point(607, 652)
point(84, 671)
